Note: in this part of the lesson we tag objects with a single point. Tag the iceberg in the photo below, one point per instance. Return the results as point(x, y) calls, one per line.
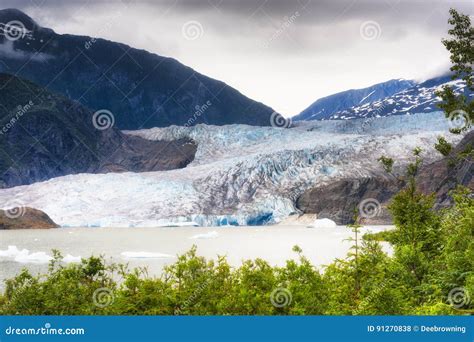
point(209, 235)
point(25, 257)
point(71, 259)
point(323, 223)
point(145, 255)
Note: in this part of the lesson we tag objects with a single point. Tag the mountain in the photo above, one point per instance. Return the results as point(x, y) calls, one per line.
point(443, 175)
point(141, 89)
point(45, 135)
point(241, 175)
point(338, 199)
point(25, 218)
point(420, 98)
point(326, 106)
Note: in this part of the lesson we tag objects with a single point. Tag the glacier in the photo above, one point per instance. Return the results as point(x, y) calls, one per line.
point(241, 175)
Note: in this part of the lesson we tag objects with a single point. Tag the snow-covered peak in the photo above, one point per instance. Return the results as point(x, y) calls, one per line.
point(420, 98)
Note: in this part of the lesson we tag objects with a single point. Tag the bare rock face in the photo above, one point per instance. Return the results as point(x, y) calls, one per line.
point(25, 218)
point(371, 196)
point(45, 135)
point(443, 175)
point(338, 201)
point(121, 153)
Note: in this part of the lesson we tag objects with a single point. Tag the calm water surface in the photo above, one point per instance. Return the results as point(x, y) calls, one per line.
point(156, 247)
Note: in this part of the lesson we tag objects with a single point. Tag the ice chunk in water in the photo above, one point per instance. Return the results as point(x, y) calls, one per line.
point(145, 255)
point(208, 235)
point(25, 257)
point(323, 223)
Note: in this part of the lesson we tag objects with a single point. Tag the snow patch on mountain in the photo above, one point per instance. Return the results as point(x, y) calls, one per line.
point(420, 98)
point(324, 107)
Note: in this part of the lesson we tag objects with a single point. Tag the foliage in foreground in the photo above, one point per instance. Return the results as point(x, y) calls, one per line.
point(460, 45)
point(433, 256)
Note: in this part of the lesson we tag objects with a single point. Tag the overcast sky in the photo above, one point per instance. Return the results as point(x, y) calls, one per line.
point(284, 53)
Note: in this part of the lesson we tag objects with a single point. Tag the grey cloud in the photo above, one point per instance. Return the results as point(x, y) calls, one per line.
point(231, 17)
point(7, 50)
point(317, 11)
point(248, 43)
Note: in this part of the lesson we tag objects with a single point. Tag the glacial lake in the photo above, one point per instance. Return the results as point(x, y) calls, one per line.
point(156, 247)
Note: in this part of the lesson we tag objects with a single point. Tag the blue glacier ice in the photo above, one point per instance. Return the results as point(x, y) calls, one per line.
point(242, 175)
